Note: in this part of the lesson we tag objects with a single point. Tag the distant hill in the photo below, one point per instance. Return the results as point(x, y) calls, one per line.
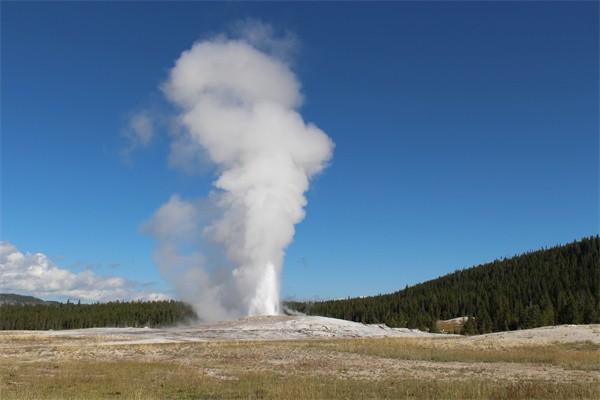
point(559, 285)
point(11, 298)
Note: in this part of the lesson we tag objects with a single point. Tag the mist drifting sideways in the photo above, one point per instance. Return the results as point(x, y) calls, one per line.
point(238, 103)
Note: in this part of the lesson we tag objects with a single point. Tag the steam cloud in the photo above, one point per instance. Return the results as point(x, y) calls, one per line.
point(238, 103)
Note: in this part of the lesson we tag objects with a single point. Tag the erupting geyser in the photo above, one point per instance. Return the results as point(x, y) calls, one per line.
point(239, 106)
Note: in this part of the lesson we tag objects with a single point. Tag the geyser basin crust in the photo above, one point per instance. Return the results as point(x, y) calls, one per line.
point(311, 327)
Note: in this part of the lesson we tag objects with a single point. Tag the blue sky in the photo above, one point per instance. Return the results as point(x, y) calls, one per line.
point(464, 132)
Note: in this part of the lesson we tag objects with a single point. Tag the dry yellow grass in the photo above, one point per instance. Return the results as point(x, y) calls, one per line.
point(451, 368)
point(582, 355)
point(160, 380)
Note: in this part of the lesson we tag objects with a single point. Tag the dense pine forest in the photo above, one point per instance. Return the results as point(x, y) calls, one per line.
point(560, 285)
point(113, 314)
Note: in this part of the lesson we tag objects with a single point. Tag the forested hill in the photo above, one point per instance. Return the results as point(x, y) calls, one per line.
point(560, 285)
point(53, 315)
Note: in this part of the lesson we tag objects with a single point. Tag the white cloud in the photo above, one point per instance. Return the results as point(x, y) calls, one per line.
point(35, 274)
point(139, 131)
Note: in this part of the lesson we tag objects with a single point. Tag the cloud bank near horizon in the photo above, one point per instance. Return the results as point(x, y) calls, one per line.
point(35, 274)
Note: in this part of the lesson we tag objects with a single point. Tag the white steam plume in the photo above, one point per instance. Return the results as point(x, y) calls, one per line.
point(240, 105)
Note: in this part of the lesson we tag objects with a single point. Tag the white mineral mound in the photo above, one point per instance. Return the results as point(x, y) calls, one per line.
point(280, 327)
point(295, 327)
point(303, 326)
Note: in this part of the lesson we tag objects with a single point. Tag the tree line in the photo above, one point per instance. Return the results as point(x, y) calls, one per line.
point(559, 285)
point(112, 314)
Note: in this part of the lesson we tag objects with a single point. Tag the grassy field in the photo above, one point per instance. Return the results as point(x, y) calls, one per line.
point(32, 368)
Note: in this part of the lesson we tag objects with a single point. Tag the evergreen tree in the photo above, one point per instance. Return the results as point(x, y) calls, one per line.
point(113, 314)
point(470, 327)
point(545, 287)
